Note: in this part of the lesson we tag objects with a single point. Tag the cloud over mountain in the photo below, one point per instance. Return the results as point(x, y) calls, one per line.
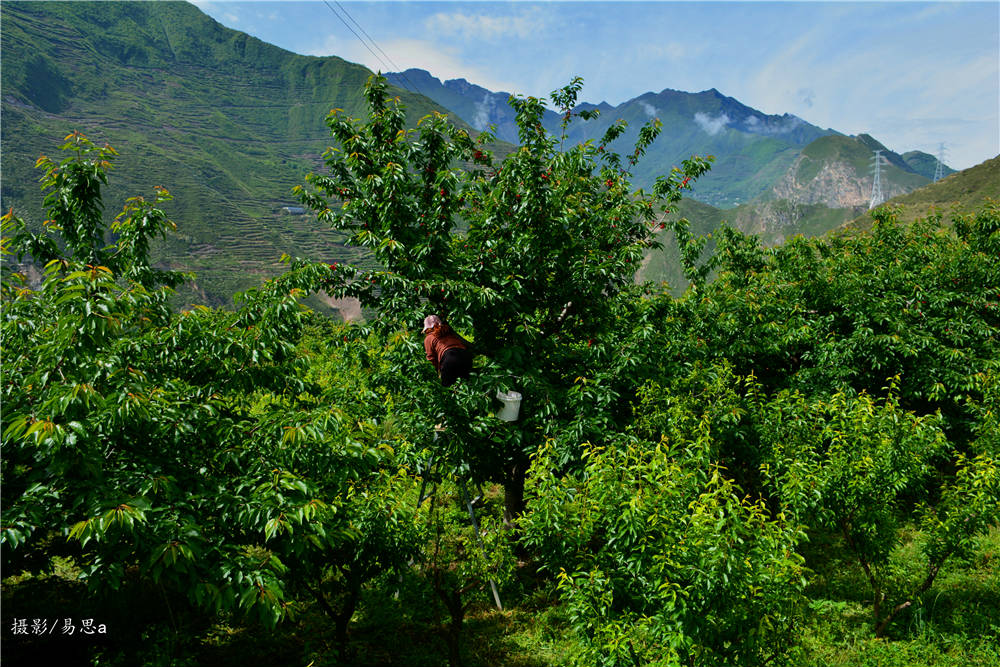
point(711, 124)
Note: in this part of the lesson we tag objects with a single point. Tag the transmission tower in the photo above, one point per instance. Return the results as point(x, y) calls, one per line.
point(877, 197)
point(939, 167)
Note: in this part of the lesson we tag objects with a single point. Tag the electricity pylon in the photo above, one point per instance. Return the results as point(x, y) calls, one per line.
point(877, 196)
point(939, 167)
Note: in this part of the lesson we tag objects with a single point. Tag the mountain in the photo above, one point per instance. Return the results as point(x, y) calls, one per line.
point(925, 164)
point(227, 123)
point(752, 149)
point(837, 171)
point(478, 106)
point(960, 192)
point(775, 220)
point(758, 157)
point(773, 176)
point(772, 221)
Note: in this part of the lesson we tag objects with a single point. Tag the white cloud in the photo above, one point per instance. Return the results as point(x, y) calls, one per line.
point(932, 11)
point(807, 96)
point(905, 96)
point(711, 124)
point(650, 110)
point(771, 126)
point(486, 27)
point(485, 109)
point(223, 10)
point(931, 85)
point(774, 84)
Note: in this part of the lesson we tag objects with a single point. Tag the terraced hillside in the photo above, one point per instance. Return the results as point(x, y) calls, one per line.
point(228, 123)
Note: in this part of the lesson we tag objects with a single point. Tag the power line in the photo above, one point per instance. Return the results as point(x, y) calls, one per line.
point(364, 43)
point(375, 44)
point(354, 33)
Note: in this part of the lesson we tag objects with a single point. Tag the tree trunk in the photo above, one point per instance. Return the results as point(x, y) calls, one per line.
point(452, 600)
point(513, 492)
point(343, 619)
point(455, 633)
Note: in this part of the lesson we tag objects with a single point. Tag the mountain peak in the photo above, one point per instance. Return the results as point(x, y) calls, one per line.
point(871, 142)
point(707, 122)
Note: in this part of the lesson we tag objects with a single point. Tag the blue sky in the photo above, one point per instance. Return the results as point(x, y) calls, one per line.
point(912, 74)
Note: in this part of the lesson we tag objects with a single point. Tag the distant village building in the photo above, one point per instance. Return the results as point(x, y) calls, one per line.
point(293, 210)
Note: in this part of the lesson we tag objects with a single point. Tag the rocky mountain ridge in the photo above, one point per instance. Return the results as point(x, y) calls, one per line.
point(758, 157)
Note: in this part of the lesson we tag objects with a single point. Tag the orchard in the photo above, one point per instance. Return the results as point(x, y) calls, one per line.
point(797, 460)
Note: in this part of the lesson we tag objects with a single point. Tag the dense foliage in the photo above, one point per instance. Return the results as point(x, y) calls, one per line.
point(183, 449)
point(689, 482)
point(538, 276)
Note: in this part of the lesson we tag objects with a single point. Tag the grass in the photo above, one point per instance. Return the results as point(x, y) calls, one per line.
point(398, 623)
point(954, 623)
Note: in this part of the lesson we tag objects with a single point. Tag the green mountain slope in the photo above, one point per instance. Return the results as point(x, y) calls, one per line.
point(829, 186)
point(228, 123)
point(924, 164)
point(961, 192)
point(775, 220)
point(772, 221)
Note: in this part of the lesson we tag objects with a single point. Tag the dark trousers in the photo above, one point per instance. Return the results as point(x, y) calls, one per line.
point(456, 364)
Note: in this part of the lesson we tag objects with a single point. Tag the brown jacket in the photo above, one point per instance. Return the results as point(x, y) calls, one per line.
point(439, 340)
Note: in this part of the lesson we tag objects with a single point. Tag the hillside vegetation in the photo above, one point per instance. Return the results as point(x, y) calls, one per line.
point(226, 122)
point(958, 193)
point(774, 221)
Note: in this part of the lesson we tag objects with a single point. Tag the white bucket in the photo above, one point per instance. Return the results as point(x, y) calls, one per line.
point(511, 405)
